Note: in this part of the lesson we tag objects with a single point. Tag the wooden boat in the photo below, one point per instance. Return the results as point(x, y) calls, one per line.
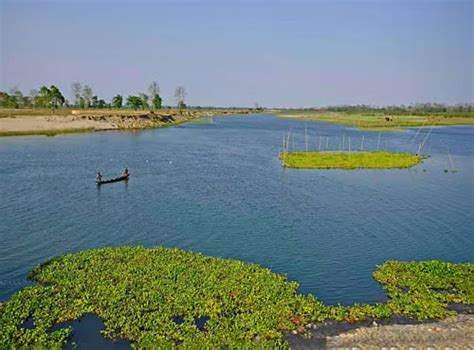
point(115, 179)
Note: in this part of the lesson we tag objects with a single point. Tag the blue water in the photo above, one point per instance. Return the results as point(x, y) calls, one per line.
point(220, 189)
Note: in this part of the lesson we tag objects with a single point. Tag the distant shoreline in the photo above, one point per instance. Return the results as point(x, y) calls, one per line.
point(380, 122)
point(44, 122)
point(30, 122)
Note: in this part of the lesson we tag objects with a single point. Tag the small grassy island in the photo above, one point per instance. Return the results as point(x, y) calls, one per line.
point(140, 294)
point(349, 160)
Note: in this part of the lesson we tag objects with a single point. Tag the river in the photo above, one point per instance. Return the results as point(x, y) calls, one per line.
point(219, 189)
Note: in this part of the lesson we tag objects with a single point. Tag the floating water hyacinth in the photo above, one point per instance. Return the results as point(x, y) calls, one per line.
point(167, 297)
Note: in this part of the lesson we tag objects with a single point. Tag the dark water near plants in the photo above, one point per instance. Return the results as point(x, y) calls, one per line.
point(219, 189)
point(86, 335)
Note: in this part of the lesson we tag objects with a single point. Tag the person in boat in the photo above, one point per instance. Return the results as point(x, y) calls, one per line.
point(98, 177)
point(125, 172)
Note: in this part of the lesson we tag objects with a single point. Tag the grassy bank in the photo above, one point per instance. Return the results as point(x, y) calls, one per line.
point(141, 293)
point(346, 160)
point(52, 132)
point(380, 121)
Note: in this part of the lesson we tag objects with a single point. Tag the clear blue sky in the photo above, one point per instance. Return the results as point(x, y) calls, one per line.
point(278, 53)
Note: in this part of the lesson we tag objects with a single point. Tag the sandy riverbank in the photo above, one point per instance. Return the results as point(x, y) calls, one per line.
point(452, 333)
point(42, 123)
point(17, 123)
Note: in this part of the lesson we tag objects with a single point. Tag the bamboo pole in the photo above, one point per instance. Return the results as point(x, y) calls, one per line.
point(426, 139)
point(378, 143)
point(305, 138)
point(453, 168)
point(421, 127)
point(288, 140)
point(320, 143)
point(362, 143)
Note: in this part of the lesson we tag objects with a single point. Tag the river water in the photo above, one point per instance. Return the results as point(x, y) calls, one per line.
point(219, 189)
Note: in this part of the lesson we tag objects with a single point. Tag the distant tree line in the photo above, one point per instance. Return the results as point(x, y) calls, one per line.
point(44, 97)
point(84, 98)
point(415, 109)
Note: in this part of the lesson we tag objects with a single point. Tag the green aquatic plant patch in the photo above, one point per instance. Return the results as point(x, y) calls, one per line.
point(139, 293)
point(424, 289)
point(349, 160)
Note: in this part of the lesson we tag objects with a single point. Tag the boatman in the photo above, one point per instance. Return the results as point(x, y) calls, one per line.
point(125, 172)
point(98, 178)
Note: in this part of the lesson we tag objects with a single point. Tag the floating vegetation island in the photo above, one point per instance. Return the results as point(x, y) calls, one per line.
point(140, 294)
point(349, 160)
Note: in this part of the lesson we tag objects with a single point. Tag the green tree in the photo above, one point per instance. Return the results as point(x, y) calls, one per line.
point(156, 101)
point(145, 99)
point(94, 101)
point(154, 90)
point(101, 103)
point(43, 98)
point(134, 102)
point(7, 101)
point(52, 97)
point(117, 101)
point(82, 103)
point(56, 98)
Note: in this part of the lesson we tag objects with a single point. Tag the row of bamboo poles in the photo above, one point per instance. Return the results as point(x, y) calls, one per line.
point(324, 143)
